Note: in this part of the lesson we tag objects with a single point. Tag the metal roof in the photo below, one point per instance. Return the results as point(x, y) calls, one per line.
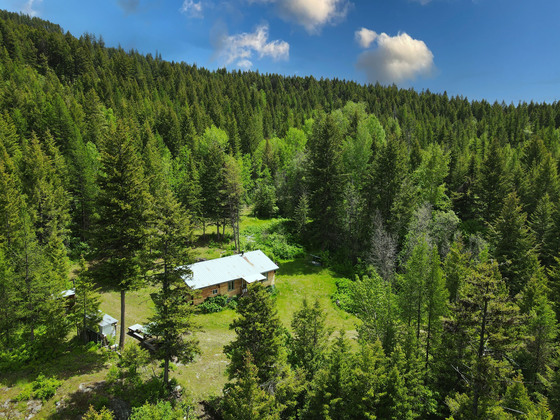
point(107, 320)
point(247, 265)
point(68, 293)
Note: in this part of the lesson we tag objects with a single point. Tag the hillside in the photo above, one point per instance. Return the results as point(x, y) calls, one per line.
point(436, 222)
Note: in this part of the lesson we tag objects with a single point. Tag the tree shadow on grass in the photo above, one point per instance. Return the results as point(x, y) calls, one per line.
point(300, 266)
point(95, 394)
point(75, 360)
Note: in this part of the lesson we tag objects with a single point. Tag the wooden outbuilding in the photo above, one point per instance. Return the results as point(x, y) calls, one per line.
point(231, 275)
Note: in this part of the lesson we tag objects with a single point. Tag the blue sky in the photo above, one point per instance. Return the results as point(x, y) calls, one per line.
point(493, 49)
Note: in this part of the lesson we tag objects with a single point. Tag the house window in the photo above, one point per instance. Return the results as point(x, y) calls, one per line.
point(231, 285)
point(215, 291)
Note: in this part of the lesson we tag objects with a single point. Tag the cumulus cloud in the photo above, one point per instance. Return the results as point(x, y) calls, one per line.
point(239, 49)
point(192, 8)
point(129, 6)
point(311, 14)
point(365, 37)
point(28, 7)
point(395, 59)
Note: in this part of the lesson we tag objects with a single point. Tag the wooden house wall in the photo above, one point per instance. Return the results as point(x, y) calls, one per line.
point(206, 292)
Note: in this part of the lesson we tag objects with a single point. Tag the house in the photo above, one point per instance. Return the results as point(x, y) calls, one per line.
point(231, 275)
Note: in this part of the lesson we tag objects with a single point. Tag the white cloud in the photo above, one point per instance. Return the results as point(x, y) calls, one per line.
point(28, 7)
point(192, 8)
point(239, 49)
point(311, 14)
point(396, 59)
point(365, 37)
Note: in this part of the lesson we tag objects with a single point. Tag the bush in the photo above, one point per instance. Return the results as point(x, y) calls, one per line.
point(342, 295)
point(273, 239)
point(42, 388)
point(215, 304)
point(103, 414)
point(163, 410)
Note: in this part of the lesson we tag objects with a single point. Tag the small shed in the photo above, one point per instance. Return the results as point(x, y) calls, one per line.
point(108, 326)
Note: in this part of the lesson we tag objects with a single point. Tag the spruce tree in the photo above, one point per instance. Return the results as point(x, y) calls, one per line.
point(259, 332)
point(245, 399)
point(325, 180)
point(310, 336)
point(487, 324)
point(173, 320)
point(123, 214)
point(513, 245)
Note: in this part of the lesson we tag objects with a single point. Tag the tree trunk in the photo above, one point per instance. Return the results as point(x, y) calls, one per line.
point(480, 355)
point(121, 339)
point(166, 372)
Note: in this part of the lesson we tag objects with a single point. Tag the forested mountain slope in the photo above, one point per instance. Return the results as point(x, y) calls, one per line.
point(446, 209)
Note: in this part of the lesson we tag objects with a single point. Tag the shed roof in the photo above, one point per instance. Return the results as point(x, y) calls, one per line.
point(107, 320)
point(248, 265)
point(68, 293)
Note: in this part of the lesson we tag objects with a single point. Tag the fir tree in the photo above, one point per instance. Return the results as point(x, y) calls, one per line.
point(310, 336)
point(85, 313)
point(123, 213)
point(259, 332)
point(173, 321)
point(514, 245)
point(245, 399)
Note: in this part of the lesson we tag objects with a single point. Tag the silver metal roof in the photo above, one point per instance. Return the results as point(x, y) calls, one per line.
point(68, 293)
point(247, 265)
point(107, 320)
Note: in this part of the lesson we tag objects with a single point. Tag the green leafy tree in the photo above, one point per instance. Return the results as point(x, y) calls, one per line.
point(431, 175)
point(375, 304)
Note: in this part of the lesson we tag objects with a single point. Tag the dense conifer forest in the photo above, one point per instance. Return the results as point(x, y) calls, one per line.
point(442, 213)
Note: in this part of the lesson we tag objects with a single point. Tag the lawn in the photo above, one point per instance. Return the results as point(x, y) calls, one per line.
point(295, 280)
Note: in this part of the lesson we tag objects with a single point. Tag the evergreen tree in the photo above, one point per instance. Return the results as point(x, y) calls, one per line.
point(245, 399)
point(85, 313)
point(486, 322)
point(325, 180)
point(123, 213)
point(389, 170)
point(8, 301)
point(310, 338)
point(327, 396)
point(259, 332)
point(173, 321)
point(514, 245)
point(492, 185)
point(541, 331)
